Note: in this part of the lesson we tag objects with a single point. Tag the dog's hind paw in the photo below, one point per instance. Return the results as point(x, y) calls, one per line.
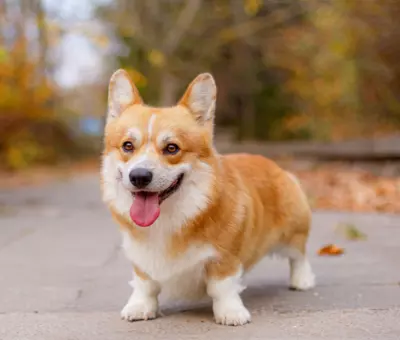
point(302, 277)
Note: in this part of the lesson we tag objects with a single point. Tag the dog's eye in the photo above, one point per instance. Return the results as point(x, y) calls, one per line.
point(171, 149)
point(127, 147)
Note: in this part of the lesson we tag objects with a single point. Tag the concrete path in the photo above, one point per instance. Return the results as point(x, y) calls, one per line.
point(62, 276)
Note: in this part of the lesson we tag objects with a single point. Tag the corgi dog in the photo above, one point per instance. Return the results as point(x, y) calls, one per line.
point(194, 221)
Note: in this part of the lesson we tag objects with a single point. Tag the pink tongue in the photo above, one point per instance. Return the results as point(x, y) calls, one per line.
point(145, 209)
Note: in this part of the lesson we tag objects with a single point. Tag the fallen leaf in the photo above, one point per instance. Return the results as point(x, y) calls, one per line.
point(330, 250)
point(351, 232)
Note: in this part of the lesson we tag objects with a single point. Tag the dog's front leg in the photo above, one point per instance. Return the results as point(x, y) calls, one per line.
point(224, 287)
point(143, 303)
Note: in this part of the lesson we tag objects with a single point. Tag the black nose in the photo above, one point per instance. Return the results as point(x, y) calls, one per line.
point(140, 177)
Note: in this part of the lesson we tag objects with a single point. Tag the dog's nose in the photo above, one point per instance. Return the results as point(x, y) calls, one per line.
point(140, 177)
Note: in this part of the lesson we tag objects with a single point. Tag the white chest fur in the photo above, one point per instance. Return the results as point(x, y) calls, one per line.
point(152, 257)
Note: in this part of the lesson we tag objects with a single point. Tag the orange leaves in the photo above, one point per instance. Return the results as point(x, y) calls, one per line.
point(336, 188)
point(328, 78)
point(24, 96)
point(20, 155)
point(3, 54)
point(330, 250)
point(349, 232)
point(252, 7)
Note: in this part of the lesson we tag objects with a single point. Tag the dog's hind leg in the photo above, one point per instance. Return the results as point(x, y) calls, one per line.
point(224, 287)
point(301, 274)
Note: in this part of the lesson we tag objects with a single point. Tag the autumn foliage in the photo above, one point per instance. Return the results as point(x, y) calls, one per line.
point(29, 128)
point(343, 73)
point(325, 70)
point(22, 109)
point(318, 70)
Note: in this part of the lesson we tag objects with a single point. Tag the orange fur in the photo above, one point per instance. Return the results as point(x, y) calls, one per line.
point(272, 208)
point(253, 205)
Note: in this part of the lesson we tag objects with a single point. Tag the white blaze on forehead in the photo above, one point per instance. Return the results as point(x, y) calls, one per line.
point(150, 132)
point(150, 127)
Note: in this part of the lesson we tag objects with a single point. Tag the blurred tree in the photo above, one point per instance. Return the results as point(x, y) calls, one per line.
point(28, 128)
point(168, 42)
point(338, 78)
point(318, 69)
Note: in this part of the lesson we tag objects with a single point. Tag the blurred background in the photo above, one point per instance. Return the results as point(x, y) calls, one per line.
point(314, 84)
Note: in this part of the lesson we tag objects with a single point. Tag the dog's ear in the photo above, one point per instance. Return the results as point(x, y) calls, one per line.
point(121, 94)
point(200, 98)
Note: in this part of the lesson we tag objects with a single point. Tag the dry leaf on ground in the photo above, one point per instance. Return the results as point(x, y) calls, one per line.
point(330, 250)
point(351, 232)
point(341, 188)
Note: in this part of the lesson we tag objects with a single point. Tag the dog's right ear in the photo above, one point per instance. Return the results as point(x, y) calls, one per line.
point(121, 94)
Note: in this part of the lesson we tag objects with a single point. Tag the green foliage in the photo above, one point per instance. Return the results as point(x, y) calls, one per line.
point(271, 107)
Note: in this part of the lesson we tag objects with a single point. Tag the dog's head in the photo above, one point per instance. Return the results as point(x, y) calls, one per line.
point(158, 158)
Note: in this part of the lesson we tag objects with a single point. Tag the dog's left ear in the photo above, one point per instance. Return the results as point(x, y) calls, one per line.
point(121, 94)
point(200, 98)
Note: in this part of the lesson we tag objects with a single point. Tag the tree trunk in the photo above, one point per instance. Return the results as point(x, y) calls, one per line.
point(168, 90)
point(245, 78)
point(43, 43)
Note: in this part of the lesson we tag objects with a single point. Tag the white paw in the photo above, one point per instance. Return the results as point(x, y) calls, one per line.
point(302, 279)
point(231, 314)
point(144, 310)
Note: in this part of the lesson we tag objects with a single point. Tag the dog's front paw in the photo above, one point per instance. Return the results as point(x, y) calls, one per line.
point(231, 313)
point(143, 310)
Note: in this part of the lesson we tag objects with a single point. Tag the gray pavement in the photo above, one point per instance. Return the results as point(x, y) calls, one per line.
point(63, 276)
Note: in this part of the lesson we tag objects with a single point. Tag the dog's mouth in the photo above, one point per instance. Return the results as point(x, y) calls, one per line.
point(171, 189)
point(163, 195)
point(145, 208)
